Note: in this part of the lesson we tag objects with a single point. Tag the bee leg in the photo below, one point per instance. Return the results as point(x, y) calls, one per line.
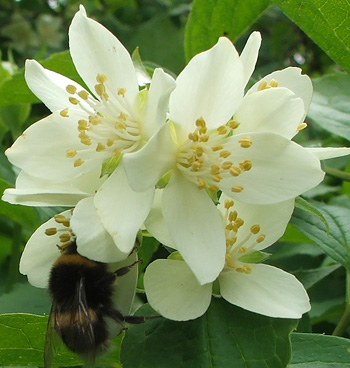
point(138, 319)
point(122, 271)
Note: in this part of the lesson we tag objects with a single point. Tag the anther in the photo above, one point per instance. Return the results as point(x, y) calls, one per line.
point(235, 171)
point(214, 188)
point(255, 229)
point(245, 165)
point(301, 126)
point(245, 142)
point(83, 94)
point(199, 151)
point(51, 231)
point(73, 100)
point(248, 269)
point(262, 85)
point(225, 154)
point(200, 123)
point(201, 183)
point(82, 124)
point(217, 147)
point(227, 165)
point(101, 78)
point(215, 169)
point(217, 178)
point(60, 219)
point(64, 238)
point(222, 130)
point(260, 238)
point(70, 153)
point(232, 216)
point(228, 203)
point(237, 188)
point(204, 138)
point(64, 113)
point(94, 119)
point(242, 249)
point(100, 89)
point(121, 91)
point(239, 222)
point(196, 165)
point(78, 162)
point(71, 89)
point(100, 147)
point(240, 269)
point(193, 137)
point(110, 142)
point(273, 83)
point(233, 124)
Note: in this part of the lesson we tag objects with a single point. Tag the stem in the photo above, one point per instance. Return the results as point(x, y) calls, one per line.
point(345, 319)
point(337, 173)
point(13, 273)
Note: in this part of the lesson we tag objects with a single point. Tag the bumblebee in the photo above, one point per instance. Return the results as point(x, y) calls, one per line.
point(82, 301)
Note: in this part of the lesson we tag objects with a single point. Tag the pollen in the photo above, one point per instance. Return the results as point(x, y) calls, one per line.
point(51, 231)
point(237, 188)
point(245, 142)
point(71, 153)
point(78, 162)
point(71, 89)
point(64, 113)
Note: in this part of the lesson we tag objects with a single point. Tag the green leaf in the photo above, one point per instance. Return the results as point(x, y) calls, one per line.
point(325, 22)
point(15, 90)
point(254, 257)
point(310, 277)
point(23, 215)
point(211, 19)
point(319, 351)
point(330, 107)
point(310, 210)
point(226, 336)
point(336, 241)
point(22, 339)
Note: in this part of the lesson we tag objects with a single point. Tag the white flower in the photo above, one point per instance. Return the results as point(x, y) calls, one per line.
point(42, 251)
point(219, 139)
point(173, 290)
point(89, 131)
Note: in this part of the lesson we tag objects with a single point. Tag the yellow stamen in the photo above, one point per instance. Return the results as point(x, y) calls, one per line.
point(301, 126)
point(242, 249)
point(222, 130)
point(225, 154)
point(214, 188)
point(83, 94)
point(245, 165)
point(64, 237)
point(232, 216)
point(200, 123)
point(71, 89)
point(237, 188)
point(64, 113)
point(248, 269)
point(262, 85)
point(217, 147)
point(233, 124)
point(70, 153)
point(261, 238)
point(255, 229)
point(228, 203)
point(51, 231)
point(201, 183)
point(78, 162)
point(245, 142)
point(227, 165)
point(101, 78)
point(193, 137)
point(121, 91)
point(73, 100)
point(100, 147)
point(235, 171)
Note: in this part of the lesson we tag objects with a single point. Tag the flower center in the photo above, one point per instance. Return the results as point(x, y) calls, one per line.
point(110, 128)
point(206, 159)
point(235, 250)
point(66, 235)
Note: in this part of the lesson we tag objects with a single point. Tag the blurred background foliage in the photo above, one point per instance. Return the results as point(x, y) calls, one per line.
point(38, 29)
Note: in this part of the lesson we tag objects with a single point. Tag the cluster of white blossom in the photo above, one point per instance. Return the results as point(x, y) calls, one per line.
point(128, 157)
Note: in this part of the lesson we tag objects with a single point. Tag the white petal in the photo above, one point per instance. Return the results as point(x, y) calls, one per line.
point(40, 253)
point(32, 191)
point(275, 110)
point(93, 240)
point(41, 149)
point(281, 169)
point(145, 167)
point(49, 86)
point(249, 55)
point(211, 86)
point(267, 290)
point(324, 153)
point(173, 291)
point(95, 50)
point(154, 113)
point(121, 210)
point(155, 223)
point(195, 226)
point(272, 219)
point(291, 78)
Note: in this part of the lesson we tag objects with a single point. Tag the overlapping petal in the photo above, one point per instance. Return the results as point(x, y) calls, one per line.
point(281, 169)
point(173, 291)
point(323, 153)
point(121, 210)
point(93, 240)
point(266, 290)
point(275, 110)
point(188, 212)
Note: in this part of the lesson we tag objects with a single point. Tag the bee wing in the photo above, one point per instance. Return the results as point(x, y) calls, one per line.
point(83, 313)
point(51, 339)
